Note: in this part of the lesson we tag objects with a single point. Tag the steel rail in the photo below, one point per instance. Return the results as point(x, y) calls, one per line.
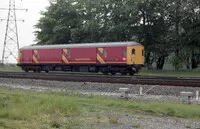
point(100, 75)
point(143, 80)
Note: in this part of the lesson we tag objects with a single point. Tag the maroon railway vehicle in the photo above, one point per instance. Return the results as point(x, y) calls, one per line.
point(110, 57)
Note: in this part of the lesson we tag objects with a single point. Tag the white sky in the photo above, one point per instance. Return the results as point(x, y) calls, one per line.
point(31, 17)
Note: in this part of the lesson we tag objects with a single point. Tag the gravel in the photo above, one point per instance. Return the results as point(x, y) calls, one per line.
point(133, 121)
point(96, 87)
point(126, 121)
point(151, 93)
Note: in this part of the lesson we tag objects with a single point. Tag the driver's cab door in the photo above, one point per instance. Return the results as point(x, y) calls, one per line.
point(131, 55)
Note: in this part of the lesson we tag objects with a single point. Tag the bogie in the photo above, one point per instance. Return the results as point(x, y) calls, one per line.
point(113, 70)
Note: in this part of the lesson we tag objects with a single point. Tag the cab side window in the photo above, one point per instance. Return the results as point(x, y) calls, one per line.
point(133, 51)
point(142, 52)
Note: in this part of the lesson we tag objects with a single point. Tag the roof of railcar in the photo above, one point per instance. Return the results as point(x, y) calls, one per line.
point(83, 45)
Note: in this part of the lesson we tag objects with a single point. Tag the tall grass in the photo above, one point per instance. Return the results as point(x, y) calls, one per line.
point(161, 108)
point(26, 109)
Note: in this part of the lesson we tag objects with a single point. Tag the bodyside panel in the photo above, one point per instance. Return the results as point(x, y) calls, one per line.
point(26, 56)
point(50, 56)
point(115, 55)
point(82, 56)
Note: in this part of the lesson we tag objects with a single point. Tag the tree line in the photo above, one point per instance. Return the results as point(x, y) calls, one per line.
point(164, 27)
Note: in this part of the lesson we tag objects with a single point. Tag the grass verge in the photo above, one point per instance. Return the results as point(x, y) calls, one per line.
point(183, 73)
point(12, 68)
point(26, 109)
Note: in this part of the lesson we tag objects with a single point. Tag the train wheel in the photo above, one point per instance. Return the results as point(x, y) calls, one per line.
point(105, 73)
point(26, 70)
point(131, 73)
point(113, 73)
point(123, 73)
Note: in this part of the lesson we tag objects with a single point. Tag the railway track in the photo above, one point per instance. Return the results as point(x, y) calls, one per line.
point(144, 80)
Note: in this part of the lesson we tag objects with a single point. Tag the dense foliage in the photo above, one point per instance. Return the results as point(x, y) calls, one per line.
point(162, 26)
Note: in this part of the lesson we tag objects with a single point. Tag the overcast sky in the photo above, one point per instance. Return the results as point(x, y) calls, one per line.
point(25, 29)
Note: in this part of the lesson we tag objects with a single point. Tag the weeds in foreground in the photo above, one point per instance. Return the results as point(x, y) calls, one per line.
point(136, 125)
point(98, 116)
point(25, 109)
point(21, 108)
point(187, 126)
point(113, 119)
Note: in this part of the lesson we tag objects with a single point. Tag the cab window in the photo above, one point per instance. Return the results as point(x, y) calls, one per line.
point(142, 52)
point(133, 51)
